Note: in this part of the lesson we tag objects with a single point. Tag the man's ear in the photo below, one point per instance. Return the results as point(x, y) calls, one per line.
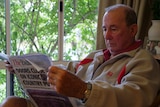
point(133, 29)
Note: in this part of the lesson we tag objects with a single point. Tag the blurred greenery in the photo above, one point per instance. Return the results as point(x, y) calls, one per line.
point(2, 84)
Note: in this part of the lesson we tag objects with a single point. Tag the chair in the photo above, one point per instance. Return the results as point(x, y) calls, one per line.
point(156, 102)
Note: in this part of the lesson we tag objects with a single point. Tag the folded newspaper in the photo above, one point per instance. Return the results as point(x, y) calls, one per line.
point(31, 71)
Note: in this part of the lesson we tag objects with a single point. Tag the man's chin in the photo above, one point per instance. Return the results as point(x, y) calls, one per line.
point(113, 52)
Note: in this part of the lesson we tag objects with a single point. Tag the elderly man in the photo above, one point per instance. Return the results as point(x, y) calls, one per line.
point(122, 75)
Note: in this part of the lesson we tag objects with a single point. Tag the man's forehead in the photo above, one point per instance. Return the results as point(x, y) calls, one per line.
point(114, 17)
point(118, 12)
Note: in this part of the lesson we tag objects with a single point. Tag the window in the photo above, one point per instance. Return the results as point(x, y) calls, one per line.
point(80, 24)
point(2, 47)
point(52, 27)
point(63, 29)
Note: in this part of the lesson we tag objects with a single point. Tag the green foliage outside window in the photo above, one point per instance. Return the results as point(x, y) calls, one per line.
point(2, 85)
point(34, 25)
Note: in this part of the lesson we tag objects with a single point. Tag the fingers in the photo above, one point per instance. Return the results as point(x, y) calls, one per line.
point(52, 83)
point(51, 80)
point(5, 61)
point(54, 69)
point(56, 72)
point(9, 66)
point(51, 76)
point(55, 76)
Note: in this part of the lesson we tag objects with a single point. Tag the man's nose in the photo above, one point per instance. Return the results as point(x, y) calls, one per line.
point(107, 35)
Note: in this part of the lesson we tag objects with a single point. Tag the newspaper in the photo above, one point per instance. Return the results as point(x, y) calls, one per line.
point(31, 72)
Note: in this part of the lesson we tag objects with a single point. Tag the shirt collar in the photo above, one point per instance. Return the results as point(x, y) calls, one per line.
point(135, 45)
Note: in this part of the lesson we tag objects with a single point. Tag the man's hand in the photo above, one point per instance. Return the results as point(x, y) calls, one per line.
point(9, 67)
point(66, 83)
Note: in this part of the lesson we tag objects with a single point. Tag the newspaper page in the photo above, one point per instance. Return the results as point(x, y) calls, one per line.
point(31, 72)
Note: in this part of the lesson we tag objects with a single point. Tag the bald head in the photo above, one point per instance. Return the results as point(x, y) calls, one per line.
point(130, 15)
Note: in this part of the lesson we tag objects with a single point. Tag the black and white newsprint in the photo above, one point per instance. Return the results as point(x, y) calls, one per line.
point(31, 72)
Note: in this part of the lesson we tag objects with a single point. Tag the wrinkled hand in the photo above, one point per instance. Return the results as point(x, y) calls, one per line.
point(9, 67)
point(65, 82)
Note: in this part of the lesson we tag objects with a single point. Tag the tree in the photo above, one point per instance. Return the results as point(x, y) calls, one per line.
point(35, 26)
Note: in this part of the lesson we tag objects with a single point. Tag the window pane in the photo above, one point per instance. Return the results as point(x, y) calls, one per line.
point(3, 50)
point(80, 28)
point(2, 27)
point(2, 85)
point(34, 27)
